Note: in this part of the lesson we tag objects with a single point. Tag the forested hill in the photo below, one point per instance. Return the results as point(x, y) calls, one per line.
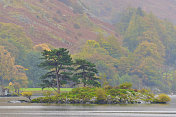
point(138, 48)
point(108, 9)
point(29, 26)
point(60, 23)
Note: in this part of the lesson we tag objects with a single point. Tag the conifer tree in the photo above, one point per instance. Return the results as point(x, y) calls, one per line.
point(86, 72)
point(58, 63)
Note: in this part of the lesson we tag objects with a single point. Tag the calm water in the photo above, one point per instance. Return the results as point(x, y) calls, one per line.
point(44, 110)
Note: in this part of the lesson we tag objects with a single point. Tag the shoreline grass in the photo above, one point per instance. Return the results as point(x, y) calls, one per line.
point(46, 89)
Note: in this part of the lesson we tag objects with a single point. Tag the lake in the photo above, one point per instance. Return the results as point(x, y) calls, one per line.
point(55, 110)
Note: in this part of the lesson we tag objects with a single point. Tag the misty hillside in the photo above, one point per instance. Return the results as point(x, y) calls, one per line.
point(140, 47)
point(108, 9)
point(55, 22)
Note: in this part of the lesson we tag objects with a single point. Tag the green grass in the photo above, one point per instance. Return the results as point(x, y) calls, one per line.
point(46, 89)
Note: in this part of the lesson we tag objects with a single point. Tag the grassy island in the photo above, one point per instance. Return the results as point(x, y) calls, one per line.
point(80, 72)
point(107, 95)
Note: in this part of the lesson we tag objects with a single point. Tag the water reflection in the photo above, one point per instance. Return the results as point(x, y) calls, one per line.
point(52, 110)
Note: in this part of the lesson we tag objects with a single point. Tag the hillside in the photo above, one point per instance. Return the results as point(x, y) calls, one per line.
point(108, 9)
point(55, 22)
point(29, 26)
point(139, 48)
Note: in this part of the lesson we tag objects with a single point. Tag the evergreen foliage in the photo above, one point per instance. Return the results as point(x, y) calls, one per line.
point(86, 72)
point(58, 62)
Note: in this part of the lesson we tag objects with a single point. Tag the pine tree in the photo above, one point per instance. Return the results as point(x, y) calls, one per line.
point(86, 72)
point(58, 62)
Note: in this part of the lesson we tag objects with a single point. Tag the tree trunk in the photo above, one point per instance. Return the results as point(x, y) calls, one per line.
point(58, 87)
point(84, 78)
point(18, 91)
point(84, 84)
point(58, 84)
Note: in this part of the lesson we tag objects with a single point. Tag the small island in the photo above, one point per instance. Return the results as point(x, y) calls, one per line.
point(106, 95)
point(84, 75)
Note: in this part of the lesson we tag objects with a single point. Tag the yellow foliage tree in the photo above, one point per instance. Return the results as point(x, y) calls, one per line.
point(41, 47)
point(6, 65)
point(20, 79)
point(10, 71)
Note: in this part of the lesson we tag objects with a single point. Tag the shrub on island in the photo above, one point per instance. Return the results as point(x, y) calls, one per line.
point(27, 95)
point(125, 85)
point(162, 98)
point(101, 95)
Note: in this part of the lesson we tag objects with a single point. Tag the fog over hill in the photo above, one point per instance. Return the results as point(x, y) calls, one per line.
point(108, 9)
point(128, 40)
point(60, 23)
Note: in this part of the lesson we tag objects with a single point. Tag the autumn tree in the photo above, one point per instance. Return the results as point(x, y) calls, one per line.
point(6, 65)
point(19, 78)
point(148, 60)
point(11, 72)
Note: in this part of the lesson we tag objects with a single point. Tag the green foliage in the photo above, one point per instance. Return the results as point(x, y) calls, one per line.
point(103, 80)
point(125, 85)
point(149, 43)
point(27, 95)
point(32, 71)
point(113, 92)
point(15, 35)
point(84, 93)
point(143, 53)
point(98, 53)
point(46, 89)
point(112, 77)
point(112, 45)
point(58, 62)
point(47, 93)
point(163, 98)
point(86, 72)
point(101, 94)
point(60, 66)
point(96, 95)
point(125, 78)
point(9, 71)
point(52, 99)
point(15, 40)
point(145, 91)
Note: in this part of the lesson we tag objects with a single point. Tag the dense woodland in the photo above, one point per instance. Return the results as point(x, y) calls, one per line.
point(142, 52)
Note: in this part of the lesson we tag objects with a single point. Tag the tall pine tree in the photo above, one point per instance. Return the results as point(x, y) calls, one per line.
point(58, 62)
